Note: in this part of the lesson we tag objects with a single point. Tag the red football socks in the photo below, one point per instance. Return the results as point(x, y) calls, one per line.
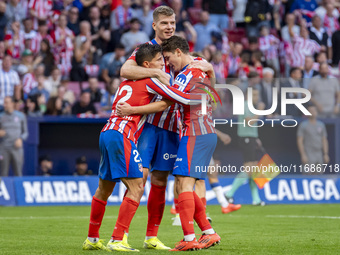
point(204, 202)
point(127, 210)
point(156, 203)
point(200, 216)
point(176, 205)
point(186, 207)
point(96, 217)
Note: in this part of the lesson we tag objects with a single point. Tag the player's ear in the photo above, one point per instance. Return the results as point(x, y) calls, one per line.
point(154, 26)
point(146, 64)
point(178, 52)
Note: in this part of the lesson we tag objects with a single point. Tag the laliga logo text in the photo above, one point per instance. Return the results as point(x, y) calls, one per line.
point(238, 105)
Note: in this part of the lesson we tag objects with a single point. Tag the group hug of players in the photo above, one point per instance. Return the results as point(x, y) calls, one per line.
point(163, 113)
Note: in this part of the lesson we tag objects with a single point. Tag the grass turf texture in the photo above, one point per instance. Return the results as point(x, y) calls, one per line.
point(273, 229)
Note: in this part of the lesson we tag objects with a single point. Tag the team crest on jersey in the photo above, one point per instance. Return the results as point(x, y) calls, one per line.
point(140, 167)
point(182, 80)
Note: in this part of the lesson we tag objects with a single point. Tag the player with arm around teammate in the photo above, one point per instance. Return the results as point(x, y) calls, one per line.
point(120, 158)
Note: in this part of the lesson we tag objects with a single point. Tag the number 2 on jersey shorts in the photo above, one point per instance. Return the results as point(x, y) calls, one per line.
point(194, 155)
point(158, 148)
point(119, 157)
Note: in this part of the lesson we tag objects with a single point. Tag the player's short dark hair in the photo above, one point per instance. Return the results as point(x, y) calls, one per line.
point(162, 10)
point(146, 52)
point(175, 42)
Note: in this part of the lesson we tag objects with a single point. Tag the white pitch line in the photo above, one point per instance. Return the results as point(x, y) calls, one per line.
point(304, 216)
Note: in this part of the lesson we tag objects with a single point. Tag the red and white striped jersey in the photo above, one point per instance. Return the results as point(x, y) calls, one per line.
point(233, 64)
point(269, 45)
point(300, 49)
point(36, 41)
point(138, 93)
point(28, 83)
point(166, 119)
point(193, 121)
point(42, 9)
point(15, 47)
point(63, 50)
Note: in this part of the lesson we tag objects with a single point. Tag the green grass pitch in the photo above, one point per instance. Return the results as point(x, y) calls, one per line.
point(273, 229)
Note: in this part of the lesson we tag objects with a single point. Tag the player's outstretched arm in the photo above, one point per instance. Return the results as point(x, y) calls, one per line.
point(131, 71)
point(156, 87)
point(124, 109)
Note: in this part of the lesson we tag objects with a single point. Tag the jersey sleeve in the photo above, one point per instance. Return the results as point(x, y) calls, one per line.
point(133, 55)
point(156, 87)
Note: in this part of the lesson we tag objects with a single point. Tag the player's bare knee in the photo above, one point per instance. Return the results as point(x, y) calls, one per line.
point(159, 178)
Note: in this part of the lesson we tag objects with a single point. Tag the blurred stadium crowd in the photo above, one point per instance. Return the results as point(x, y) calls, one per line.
point(64, 57)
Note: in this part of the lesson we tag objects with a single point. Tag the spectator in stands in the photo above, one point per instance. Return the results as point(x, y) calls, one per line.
point(308, 72)
point(290, 24)
point(40, 36)
point(121, 16)
point(3, 20)
point(32, 107)
point(29, 80)
point(257, 14)
point(269, 46)
point(29, 32)
point(84, 105)
point(82, 52)
point(336, 48)
point(238, 12)
point(14, 12)
point(111, 63)
point(203, 30)
point(13, 131)
point(82, 167)
point(66, 108)
point(233, 59)
point(109, 95)
point(54, 106)
point(319, 34)
point(45, 165)
point(253, 45)
point(304, 8)
point(181, 14)
point(312, 140)
point(330, 21)
point(14, 39)
point(105, 13)
point(69, 94)
point(73, 20)
point(267, 84)
point(256, 61)
point(218, 12)
point(11, 86)
point(220, 68)
point(99, 34)
point(27, 63)
point(63, 46)
point(39, 10)
point(322, 10)
point(302, 46)
point(45, 57)
point(134, 36)
point(94, 90)
point(325, 92)
point(53, 81)
point(40, 88)
point(244, 67)
point(189, 33)
point(145, 16)
point(294, 81)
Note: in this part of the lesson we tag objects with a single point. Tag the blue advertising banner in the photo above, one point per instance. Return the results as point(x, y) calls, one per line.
point(69, 190)
point(7, 196)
